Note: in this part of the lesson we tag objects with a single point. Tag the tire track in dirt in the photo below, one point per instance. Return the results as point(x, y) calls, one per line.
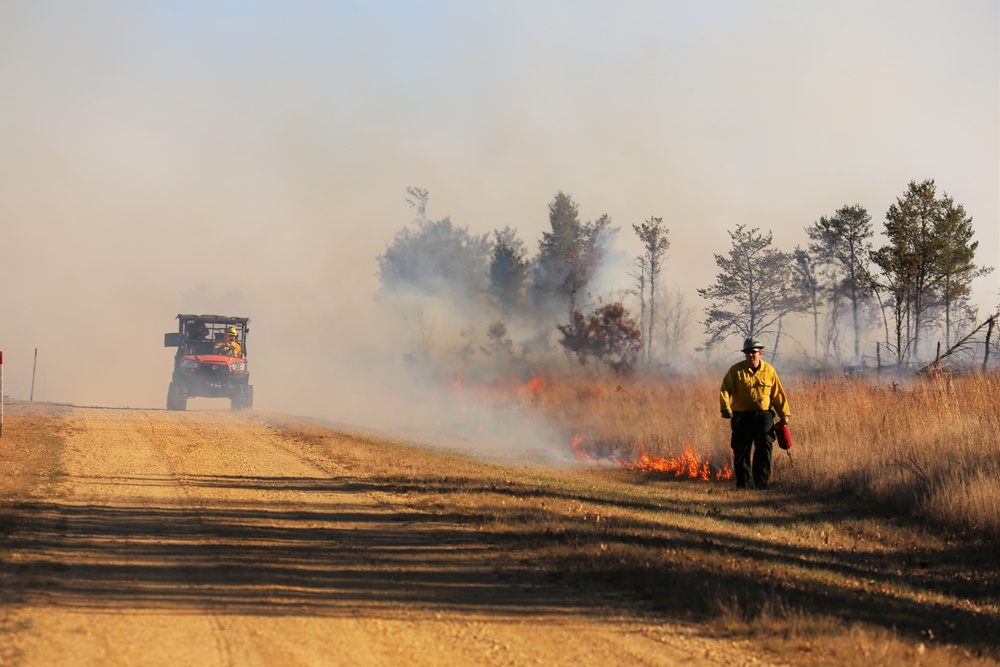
point(205, 538)
point(90, 545)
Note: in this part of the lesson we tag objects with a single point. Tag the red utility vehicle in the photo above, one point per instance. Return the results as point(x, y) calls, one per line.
point(202, 370)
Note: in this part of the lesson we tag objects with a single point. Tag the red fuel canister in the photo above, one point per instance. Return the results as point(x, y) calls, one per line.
point(784, 435)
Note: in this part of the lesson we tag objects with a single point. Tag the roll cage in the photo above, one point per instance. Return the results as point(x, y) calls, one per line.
point(198, 334)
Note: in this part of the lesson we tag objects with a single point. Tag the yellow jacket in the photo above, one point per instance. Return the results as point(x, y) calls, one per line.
point(747, 390)
point(231, 349)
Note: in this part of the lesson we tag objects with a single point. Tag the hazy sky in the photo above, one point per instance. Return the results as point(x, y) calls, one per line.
point(251, 158)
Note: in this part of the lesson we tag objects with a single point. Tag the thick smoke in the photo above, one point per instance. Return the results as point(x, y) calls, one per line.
point(165, 158)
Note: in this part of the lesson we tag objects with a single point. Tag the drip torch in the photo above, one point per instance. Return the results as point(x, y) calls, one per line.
point(784, 437)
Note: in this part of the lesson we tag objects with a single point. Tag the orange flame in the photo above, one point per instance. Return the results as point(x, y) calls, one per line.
point(581, 453)
point(534, 386)
point(689, 464)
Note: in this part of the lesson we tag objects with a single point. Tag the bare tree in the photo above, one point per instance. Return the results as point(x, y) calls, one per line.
point(677, 318)
point(807, 282)
point(653, 235)
point(417, 198)
point(640, 279)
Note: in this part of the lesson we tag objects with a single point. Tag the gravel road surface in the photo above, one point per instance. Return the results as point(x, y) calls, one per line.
point(209, 538)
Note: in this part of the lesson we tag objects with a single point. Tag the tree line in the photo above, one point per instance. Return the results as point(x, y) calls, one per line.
point(917, 284)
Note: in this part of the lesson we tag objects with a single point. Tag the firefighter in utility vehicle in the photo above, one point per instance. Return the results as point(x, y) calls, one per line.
point(229, 346)
point(751, 394)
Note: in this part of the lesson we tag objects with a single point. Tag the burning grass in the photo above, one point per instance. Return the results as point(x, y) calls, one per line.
point(928, 448)
point(688, 465)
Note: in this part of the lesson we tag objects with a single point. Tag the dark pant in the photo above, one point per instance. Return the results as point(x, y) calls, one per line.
point(752, 430)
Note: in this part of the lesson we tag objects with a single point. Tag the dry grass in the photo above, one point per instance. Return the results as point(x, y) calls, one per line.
point(930, 448)
point(624, 418)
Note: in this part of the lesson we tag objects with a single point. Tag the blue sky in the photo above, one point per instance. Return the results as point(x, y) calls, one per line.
point(130, 133)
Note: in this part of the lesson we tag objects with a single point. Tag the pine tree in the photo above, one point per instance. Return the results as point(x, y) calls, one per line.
point(841, 244)
point(508, 270)
point(956, 261)
point(434, 256)
point(569, 254)
point(918, 269)
point(753, 290)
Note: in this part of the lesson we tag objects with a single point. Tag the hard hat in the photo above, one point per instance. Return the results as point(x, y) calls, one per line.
point(752, 344)
point(232, 331)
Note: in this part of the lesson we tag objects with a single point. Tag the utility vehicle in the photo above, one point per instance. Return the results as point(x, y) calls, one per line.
point(204, 366)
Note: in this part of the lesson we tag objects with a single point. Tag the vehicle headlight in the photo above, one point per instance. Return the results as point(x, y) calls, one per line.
point(238, 367)
point(187, 362)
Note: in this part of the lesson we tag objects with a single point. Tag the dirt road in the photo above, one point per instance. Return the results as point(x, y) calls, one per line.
point(209, 538)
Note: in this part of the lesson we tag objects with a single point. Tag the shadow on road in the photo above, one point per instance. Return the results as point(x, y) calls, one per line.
point(363, 558)
point(269, 558)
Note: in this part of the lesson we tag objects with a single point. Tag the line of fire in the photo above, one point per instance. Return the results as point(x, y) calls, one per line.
point(688, 464)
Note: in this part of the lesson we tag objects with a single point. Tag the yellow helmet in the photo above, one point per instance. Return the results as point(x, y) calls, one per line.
point(232, 331)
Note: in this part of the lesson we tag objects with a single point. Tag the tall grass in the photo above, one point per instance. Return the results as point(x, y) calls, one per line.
point(928, 447)
point(649, 415)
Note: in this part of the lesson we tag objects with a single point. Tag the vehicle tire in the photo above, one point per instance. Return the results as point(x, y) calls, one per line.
point(243, 400)
point(176, 397)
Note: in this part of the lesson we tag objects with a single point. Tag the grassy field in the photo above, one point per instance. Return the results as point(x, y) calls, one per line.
point(878, 546)
point(927, 448)
point(885, 513)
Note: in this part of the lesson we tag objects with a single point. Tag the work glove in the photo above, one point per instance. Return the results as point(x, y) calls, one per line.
point(783, 420)
point(726, 414)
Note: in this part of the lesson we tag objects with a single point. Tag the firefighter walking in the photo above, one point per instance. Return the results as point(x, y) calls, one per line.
point(751, 394)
